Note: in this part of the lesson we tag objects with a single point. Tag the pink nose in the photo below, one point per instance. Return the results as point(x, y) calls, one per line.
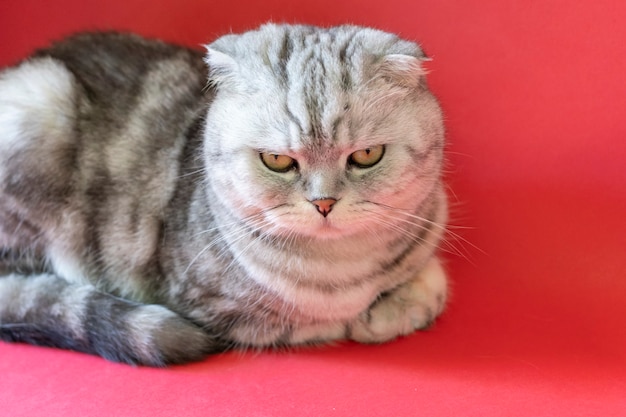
point(324, 206)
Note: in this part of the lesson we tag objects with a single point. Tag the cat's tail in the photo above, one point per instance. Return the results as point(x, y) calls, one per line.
point(47, 310)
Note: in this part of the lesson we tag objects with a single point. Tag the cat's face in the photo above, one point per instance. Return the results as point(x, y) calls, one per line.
point(321, 145)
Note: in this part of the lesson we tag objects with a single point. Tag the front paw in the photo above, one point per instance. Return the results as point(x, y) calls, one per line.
point(412, 306)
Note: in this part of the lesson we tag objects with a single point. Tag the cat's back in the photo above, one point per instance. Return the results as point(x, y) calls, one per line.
point(72, 104)
point(108, 63)
point(91, 131)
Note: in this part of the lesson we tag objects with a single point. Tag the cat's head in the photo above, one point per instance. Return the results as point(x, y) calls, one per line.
point(318, 132)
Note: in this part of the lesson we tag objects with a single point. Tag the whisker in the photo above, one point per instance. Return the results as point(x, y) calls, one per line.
point(435, 224)
point(444, 244)
point(452, 192)
point(392, 222)
point(188, 174)
point(226, 225)
point(250, 218)
point(254, 224)
point(256, 221)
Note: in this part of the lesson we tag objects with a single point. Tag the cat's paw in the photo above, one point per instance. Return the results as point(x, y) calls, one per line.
point(410, 307)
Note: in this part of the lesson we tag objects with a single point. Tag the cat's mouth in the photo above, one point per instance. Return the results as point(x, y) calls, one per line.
point(327, 228)
point(321, 229)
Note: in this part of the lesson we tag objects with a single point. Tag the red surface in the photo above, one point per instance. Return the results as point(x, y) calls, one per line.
point(535, 99)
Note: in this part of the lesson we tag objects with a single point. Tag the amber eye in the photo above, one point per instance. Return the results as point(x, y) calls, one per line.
point(278, 163)
point(367, 157)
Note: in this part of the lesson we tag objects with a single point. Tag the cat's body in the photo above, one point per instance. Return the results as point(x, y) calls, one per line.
point(152, 216)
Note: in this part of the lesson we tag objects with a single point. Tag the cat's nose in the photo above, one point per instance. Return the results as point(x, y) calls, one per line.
point(324, 206)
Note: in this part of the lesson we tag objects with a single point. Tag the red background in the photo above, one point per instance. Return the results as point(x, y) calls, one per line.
point(535, 99)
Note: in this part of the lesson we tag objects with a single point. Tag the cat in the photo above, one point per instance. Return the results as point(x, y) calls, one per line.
point(160, 203)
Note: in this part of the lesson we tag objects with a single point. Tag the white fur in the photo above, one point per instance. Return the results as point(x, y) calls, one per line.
point(410, 307)
point(142, 323)
point(11, 289)
point(35, 100)
point(258, 113)
point(66, 266)
point(17, 291)
point(71, 307)
point(318, 333)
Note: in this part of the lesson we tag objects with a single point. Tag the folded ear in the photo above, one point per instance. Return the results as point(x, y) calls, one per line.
point(223, 69)
point(405, 70)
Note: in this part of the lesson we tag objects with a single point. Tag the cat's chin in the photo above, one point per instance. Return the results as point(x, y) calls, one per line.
point(324, 231)
point(327, 232)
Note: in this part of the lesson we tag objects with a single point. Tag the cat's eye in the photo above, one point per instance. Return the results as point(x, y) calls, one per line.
point(367, 157)
point(278, 163)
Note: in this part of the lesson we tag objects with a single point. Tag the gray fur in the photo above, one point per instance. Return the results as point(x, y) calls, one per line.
point(138, 222)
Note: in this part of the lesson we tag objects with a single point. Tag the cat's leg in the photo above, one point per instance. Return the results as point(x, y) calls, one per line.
point(412, 306)
point(46, 310)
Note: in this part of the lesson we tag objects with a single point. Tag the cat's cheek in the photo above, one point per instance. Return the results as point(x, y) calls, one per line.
point(237, 197)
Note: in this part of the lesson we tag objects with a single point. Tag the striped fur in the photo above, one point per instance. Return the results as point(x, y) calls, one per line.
point(138, 221)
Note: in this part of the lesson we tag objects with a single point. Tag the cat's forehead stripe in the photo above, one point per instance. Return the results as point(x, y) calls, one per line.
point(316, 74)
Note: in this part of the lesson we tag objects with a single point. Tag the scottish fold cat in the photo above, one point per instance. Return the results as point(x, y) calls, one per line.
point(159, 203)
